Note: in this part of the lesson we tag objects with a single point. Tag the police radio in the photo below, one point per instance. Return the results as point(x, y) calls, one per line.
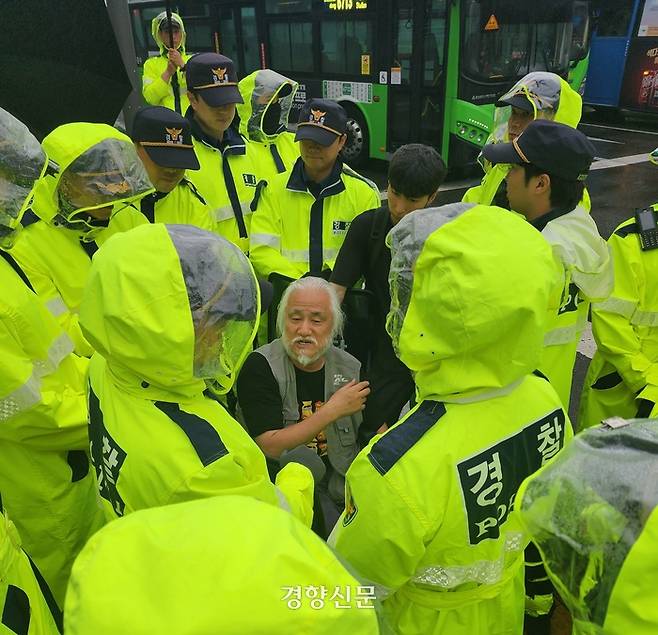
point(645, 221)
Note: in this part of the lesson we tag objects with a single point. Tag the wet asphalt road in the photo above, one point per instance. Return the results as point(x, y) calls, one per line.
point(621, 180)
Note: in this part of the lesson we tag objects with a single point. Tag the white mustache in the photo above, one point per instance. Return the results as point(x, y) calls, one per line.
point(304, 340)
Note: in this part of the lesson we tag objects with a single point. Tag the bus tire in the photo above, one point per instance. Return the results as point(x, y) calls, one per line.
point(357, 147)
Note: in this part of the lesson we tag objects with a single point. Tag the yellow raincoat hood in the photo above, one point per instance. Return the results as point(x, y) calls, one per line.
point(267, 103)
point(593, 513)
point(470, 288)
point(22, 162)
point(551, 98)
point(218, 565)
point(155, 28)
point(96, 166)
point(170, 307)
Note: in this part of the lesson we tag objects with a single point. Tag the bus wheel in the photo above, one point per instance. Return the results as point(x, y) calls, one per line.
point(355, 150)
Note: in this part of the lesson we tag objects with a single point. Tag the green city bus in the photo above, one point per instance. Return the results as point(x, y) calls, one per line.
point(405, 70)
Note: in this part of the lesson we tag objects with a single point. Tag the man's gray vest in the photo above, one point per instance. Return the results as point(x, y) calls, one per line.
point(339, 368)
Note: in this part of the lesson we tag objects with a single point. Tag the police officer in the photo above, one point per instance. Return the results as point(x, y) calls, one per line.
point(163, 141)
point(227, 178)
point(167, 324)
point(547, 165)
point(226, 564)
point(302, 216)
point(45, 480)
point(28, 605)
point(98, 174)
point(158, 71)
point(267, 101)
point(428, 502)
point(622, 379)
point(592, 513)
point(538, 95)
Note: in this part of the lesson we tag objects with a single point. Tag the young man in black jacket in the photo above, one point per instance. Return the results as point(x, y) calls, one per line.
point(415, 174)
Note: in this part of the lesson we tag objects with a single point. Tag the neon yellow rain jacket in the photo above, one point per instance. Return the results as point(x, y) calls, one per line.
point(287, 214)
point(588, 275)
point(227, 179)
point(151, 315)
point(552, 98)
point(264, 114)
point(156, 91)
point(625, 365)
point(45, 479)
point(239, 566)
point(428, 515)
point(22, 590)
point(593, 514)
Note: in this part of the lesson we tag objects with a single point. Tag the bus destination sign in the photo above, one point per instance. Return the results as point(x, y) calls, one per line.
point(345, 5)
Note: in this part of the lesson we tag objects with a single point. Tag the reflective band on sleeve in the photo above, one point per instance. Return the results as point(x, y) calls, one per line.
point(618, 306)
point(21, 399)
point(565, 334)
point(644, 318)
point(480, 572)
point(56, 306)
point(29, 394)
point(628, 310)
point(301, 255)
point(267, 240)
point(283, 501)
point(226, 213)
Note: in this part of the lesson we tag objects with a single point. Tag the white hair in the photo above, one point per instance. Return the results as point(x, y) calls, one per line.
point(338, 318)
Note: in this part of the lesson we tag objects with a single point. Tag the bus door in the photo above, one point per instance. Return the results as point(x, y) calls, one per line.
point(417, 72)
point(237, 36)
point(613, 24)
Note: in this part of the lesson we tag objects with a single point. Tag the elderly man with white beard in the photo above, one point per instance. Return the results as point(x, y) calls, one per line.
point(302, 394)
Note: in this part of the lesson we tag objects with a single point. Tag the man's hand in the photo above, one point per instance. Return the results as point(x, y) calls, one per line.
point(349, 399)
point(175, 62)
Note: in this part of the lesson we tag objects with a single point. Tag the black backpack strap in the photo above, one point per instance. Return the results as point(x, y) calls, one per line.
point(377, 235)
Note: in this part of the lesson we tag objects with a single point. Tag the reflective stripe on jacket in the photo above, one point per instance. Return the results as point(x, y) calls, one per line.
point(293, 232)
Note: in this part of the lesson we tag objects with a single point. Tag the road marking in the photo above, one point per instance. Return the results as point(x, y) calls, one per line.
point(456, 185)
point(620, 162)
point(593, 125)
point(587, 344)
point(618, 143)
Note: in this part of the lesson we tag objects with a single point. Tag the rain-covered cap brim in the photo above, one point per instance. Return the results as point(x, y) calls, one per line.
point(517, 101)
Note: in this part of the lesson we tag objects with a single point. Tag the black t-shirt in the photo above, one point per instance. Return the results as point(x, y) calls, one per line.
point(354, 262)
point(260, 399)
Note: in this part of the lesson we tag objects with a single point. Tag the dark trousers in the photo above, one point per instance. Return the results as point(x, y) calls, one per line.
point(391, 387)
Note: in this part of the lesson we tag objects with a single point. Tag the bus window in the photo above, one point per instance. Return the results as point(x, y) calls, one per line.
point(287, 6)
point(343, 43)
point(291, 47)
point(404, 41)
point(551, 47)
point(581, 31)
point(503, 41)
point(434, 45)
point(198, 36)
point(613, 18)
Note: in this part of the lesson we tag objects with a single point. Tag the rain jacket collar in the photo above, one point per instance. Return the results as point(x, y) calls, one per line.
point(332, 185)
point(232, 142)
point(541, 222)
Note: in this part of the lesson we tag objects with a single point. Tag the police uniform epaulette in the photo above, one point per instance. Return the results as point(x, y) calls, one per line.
point(194, 190)
point(355, 175)
point(627, 230)
point(204, 438)
point(29, 218)
point(388, 450)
